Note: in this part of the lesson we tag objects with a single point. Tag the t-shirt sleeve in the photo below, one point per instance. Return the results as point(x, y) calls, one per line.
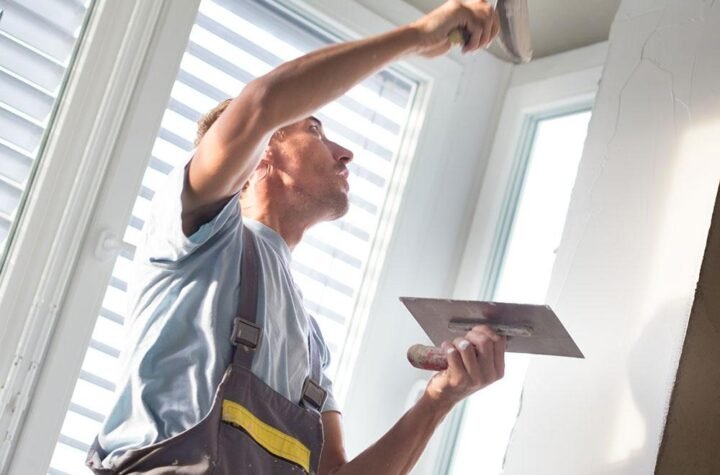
point(331, 403)
point(165, 241)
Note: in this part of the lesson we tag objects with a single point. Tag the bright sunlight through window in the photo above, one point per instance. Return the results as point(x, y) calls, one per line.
point(537, 228)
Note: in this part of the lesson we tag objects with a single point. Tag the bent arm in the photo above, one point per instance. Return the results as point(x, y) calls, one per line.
point(231, 149)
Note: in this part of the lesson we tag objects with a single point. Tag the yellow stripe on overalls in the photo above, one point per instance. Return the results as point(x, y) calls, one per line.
point(274, 441)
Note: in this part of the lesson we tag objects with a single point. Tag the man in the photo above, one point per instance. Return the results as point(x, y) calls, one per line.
point(225, 370)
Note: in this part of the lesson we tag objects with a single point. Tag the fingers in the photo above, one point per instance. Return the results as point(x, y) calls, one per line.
point(499, 357)
point(491, 350)
point(478, 359)
point(474, 42)
point(487, 31)
point(484, 341)
point(495, 26)
point(483, 24)
point(474, 362)
point(469, 357)
point(456, 367)
point(480, 37)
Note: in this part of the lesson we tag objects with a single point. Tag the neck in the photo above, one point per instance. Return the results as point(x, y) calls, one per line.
point(279, 214)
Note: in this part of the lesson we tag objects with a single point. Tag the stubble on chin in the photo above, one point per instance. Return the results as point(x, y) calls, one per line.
point(338, 204)
point(331, 205)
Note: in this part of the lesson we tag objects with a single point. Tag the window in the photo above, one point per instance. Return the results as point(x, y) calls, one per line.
point(38, 39)
point(230, 44)
point(526, 265)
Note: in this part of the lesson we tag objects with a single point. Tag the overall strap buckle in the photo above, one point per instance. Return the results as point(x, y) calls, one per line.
point(245, 333)
point(313, 394)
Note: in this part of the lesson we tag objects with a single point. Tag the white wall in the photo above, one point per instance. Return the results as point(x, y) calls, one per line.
point(629, 261)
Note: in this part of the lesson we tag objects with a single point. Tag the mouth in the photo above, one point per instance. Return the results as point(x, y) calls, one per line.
point(344, 174)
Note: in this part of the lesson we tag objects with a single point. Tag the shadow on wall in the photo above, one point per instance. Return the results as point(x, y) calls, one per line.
point(633, 450)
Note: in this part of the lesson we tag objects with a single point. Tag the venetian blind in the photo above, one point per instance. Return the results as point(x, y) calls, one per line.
point(37, 41)
point(231, 43)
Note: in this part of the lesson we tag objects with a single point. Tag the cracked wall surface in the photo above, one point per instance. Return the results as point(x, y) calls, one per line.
point(630, 257)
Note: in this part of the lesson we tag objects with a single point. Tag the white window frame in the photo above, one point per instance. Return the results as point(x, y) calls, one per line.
point(90, 131)
point(51, 289)
point(564, 83)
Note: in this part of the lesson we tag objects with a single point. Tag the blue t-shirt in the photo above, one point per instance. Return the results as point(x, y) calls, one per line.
point(185, 294)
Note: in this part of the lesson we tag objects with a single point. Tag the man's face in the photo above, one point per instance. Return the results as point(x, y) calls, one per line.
point(313, 167)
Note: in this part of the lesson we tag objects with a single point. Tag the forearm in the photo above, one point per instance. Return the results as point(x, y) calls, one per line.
point(299, 87)
point(400, 448)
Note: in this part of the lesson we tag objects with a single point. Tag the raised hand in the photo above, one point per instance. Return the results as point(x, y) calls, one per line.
point(477, 21)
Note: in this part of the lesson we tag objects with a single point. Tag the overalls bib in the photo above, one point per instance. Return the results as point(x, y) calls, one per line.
point(250, 429)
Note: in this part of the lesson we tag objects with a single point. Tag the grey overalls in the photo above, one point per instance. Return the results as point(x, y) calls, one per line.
point(251, 429)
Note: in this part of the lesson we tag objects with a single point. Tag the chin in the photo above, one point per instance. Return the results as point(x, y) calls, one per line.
point(338, 207)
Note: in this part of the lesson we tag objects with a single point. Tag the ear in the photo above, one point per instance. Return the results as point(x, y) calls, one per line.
point(264, 167)
point(278, 136)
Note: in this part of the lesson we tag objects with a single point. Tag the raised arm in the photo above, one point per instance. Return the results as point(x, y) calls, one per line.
point(231, 148)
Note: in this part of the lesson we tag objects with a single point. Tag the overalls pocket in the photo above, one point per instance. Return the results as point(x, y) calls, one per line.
point(262, 432)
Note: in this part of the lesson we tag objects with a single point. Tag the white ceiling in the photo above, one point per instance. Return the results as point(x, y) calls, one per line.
point(559, 25)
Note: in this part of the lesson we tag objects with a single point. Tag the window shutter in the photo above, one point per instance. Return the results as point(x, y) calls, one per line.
point(37, 41)
point(231, 43)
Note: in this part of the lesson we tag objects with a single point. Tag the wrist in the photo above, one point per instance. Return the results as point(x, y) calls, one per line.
point(410, 36)
point(435, 403)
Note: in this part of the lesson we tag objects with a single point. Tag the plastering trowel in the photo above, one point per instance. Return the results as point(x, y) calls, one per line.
point(533, 329)
point(512, 43)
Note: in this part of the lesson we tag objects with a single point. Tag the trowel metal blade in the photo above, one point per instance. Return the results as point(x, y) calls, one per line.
point(548, 337)
point(513, 42)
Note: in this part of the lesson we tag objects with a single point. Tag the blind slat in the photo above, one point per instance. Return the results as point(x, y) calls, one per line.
point(54, 36)
point(36, 105)
point(29, 64)
point(18, 129)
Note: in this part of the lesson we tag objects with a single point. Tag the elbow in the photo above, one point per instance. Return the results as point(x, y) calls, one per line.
point(262, 99)
point(275, 95)
point(255, 104)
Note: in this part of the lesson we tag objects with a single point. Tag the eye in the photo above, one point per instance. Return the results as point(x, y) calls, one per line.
point(315, 128)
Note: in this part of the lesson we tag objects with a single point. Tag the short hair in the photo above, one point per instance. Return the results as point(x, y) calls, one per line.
point(207, 120)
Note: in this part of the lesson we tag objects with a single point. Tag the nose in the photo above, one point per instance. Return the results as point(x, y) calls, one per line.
point(340, 153)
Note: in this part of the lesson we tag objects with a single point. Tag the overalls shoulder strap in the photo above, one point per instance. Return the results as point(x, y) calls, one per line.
point(314, 395)
point(315, 350)
point(246, 334)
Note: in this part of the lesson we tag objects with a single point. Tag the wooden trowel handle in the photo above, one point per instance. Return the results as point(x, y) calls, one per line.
point(427, 357)
point(459, 36)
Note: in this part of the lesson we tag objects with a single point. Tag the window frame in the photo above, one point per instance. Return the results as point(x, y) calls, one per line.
point(39, 272)
point(49, 122)
point(552, 86)
point(58, 284)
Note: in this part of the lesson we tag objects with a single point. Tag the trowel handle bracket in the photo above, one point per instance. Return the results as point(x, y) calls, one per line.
point(463, 325)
